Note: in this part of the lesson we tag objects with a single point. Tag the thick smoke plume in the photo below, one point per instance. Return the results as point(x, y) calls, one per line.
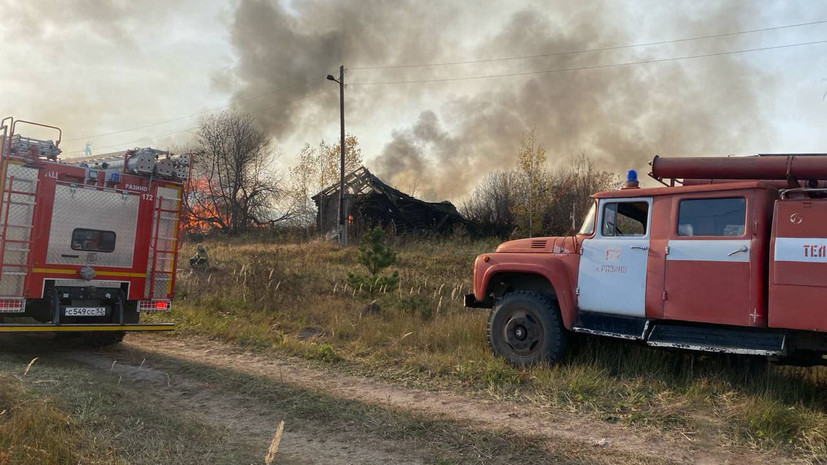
point(620, 116)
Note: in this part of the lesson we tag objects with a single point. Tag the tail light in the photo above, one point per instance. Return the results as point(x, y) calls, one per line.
point(12, 304)
point(153, 305)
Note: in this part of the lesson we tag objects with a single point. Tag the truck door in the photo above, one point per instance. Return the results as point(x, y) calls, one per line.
point(612, 272)
point(707, 270)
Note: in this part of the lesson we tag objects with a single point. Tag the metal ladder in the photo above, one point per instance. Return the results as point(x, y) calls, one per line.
point(21, 243)
point(20, 224)
point(163, 265)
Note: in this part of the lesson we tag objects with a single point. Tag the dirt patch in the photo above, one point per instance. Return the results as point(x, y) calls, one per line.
point(248, 419)
point(476, 412)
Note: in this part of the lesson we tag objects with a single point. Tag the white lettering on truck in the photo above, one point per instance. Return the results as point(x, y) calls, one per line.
point(134, 187)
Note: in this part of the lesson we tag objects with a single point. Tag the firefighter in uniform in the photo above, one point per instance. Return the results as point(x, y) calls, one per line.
point(200, 259)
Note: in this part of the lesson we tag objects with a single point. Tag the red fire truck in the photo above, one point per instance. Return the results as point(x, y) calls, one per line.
point(729, 255)
point(85, 246)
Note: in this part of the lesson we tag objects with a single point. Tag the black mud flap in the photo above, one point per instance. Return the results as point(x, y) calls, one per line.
point(471, 302)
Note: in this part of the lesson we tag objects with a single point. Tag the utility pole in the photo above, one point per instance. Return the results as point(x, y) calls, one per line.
point(342, 222)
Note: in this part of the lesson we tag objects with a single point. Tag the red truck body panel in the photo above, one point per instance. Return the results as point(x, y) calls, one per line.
point(558, 266)
point(798, 265)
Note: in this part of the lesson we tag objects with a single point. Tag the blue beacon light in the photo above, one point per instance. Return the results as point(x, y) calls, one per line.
point(631, 180)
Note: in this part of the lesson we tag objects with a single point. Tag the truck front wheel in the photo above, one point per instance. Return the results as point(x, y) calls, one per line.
point(526, 328)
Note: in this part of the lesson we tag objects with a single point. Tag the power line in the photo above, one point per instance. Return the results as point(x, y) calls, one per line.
point(618, 47)
point(191, 128)
point(587, 50)
point(178, 118)
point(582, 68)
point(126, 145)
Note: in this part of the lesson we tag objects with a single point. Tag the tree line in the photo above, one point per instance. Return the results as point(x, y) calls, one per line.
point(533, 200)
point(234, 187)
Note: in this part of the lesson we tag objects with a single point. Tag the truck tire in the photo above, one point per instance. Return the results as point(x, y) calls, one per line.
point(103, 338)
point(526, 328)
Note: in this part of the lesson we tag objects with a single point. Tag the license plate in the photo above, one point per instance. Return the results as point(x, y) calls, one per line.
point(85, 311)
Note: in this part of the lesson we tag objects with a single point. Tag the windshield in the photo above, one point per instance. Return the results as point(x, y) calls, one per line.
point(588, 223)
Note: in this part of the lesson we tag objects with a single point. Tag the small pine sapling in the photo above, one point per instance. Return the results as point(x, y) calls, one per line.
point(375, 255)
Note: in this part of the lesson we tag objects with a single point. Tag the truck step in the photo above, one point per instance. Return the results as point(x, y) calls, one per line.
point(623, 327)
point(723, 340)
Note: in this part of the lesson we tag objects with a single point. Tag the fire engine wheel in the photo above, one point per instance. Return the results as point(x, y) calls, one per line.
point(526, 328)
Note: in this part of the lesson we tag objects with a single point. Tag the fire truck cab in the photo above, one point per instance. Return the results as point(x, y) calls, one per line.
point(86, 245)
point(730, 255)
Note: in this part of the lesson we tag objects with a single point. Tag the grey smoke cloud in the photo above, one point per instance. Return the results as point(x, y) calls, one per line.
point(621, 116)
point(284, 49)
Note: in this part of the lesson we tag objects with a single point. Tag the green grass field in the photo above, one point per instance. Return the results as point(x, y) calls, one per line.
point(292, 298)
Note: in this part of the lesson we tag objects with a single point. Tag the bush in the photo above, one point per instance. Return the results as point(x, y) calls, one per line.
point(375, 255)
point(326, 353)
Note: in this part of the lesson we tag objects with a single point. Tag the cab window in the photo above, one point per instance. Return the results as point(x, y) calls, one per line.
point(625, 219)
point(712, 217)
point(93, 240)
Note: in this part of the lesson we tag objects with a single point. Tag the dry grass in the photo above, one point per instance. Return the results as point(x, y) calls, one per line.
point(274, 445)
point(33, 431)
point(293, 298)
point(62, 414)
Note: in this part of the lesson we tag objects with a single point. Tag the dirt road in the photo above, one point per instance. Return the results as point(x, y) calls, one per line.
point(567, 434)
point(337, 418)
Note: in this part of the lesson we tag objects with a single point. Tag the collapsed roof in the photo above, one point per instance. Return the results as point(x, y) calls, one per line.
point(370, 202)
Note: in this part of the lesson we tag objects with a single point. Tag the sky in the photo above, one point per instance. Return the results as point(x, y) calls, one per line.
point(122, 74)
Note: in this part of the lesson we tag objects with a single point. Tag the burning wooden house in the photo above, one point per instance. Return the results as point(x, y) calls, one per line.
point(370, 202)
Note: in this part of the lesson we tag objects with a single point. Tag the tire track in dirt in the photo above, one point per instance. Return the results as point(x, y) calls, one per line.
point(249, 423)
point(493, 415)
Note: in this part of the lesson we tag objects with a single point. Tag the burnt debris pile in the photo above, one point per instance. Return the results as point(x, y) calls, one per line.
point(369, 202)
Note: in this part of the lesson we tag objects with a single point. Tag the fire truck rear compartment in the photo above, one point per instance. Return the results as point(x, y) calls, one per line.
point(92, 227)
point(798, 265)
point(86, 244)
